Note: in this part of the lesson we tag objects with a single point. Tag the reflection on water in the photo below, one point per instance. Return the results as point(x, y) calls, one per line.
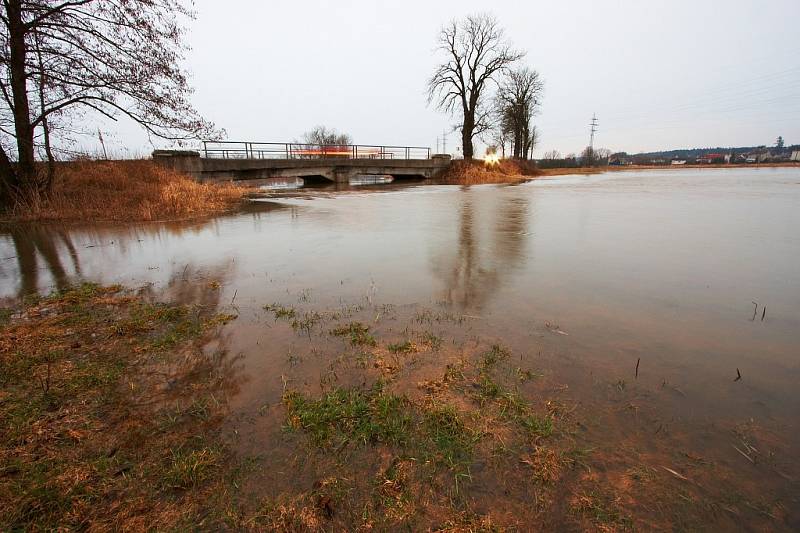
point(371, 179)
point(472, 271)
point(280, 183)
point(40, 248)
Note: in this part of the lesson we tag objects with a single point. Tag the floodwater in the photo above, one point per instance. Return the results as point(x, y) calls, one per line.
point(639, 296)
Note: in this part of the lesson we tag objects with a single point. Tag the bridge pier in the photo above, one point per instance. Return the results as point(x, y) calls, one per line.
point(337, 170)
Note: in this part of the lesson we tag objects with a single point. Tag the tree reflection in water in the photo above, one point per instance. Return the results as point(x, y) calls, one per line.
point(33, 243)
point(471, 277)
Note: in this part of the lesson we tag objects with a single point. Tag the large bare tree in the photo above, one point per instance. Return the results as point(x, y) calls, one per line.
point(476, 53)
point(64, 58)
point(517, 101)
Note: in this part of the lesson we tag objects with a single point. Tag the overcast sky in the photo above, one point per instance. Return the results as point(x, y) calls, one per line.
point(658, 74)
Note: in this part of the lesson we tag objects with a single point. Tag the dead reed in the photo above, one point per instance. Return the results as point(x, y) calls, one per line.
point(476, 172)
point(136, 190)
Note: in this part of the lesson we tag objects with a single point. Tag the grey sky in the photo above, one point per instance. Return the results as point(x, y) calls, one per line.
point(659, 74)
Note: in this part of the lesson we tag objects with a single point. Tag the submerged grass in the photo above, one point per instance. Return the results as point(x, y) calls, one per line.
point(436, 433)
point(601, 510)
point(83, 441)
point(510, 404)
point(281, 312)
point(367, 417)
point(405, 347)
point(357, 333)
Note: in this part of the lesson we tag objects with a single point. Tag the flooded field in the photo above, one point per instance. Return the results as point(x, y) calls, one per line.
point(608, 351)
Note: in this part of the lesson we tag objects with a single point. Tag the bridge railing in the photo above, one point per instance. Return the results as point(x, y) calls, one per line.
point(257, 150)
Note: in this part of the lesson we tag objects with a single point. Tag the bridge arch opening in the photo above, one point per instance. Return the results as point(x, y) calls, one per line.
point(315, 180)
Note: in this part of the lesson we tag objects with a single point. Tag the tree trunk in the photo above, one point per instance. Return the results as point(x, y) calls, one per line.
point(466, 135)
point(8, 180)
point(24, 179)
point(526, 139)
point(48, 150)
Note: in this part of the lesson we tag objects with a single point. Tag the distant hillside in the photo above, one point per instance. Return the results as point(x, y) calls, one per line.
point(690, 153)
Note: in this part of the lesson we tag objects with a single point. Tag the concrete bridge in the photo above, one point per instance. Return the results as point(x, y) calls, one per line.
point(336, 163)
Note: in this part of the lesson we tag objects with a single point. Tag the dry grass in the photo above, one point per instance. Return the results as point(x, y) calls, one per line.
point(126, 191)
point(476, 172)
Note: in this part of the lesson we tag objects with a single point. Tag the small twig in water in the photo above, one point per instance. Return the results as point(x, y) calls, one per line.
point(764, 313)
point(638, 360)
point(738, 375)
point(235, 292)
point(755, 312)
point(674, 473)
point(741, 452)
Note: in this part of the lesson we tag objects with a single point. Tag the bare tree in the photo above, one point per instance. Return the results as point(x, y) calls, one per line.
point(499, 138)
point(602, 155)
point(588, 157)
point(531, 141)
point(112, 58)
point(477, 52)
point(322, 135)
point(552, 154)
point(517, 101)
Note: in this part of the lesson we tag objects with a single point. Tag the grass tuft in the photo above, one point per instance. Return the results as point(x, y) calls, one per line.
point(189, 468)
point(402, 347)
point(367, 417)
point(281, 312)
point(356, 332)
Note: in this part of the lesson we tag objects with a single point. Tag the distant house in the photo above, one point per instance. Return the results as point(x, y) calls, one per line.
point(619, 159)
point(709, 159)
point(795, 156)
point(678, 162)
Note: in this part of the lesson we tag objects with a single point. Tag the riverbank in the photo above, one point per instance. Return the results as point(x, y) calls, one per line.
point(508, 171)
point(126, 191)
point(477, 172)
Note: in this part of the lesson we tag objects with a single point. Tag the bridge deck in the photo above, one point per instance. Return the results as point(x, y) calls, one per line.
point(248, 164)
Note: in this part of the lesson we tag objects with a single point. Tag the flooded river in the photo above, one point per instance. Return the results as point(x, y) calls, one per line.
point(662, 308)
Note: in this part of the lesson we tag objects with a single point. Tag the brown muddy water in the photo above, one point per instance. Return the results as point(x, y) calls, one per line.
point(635, 299)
